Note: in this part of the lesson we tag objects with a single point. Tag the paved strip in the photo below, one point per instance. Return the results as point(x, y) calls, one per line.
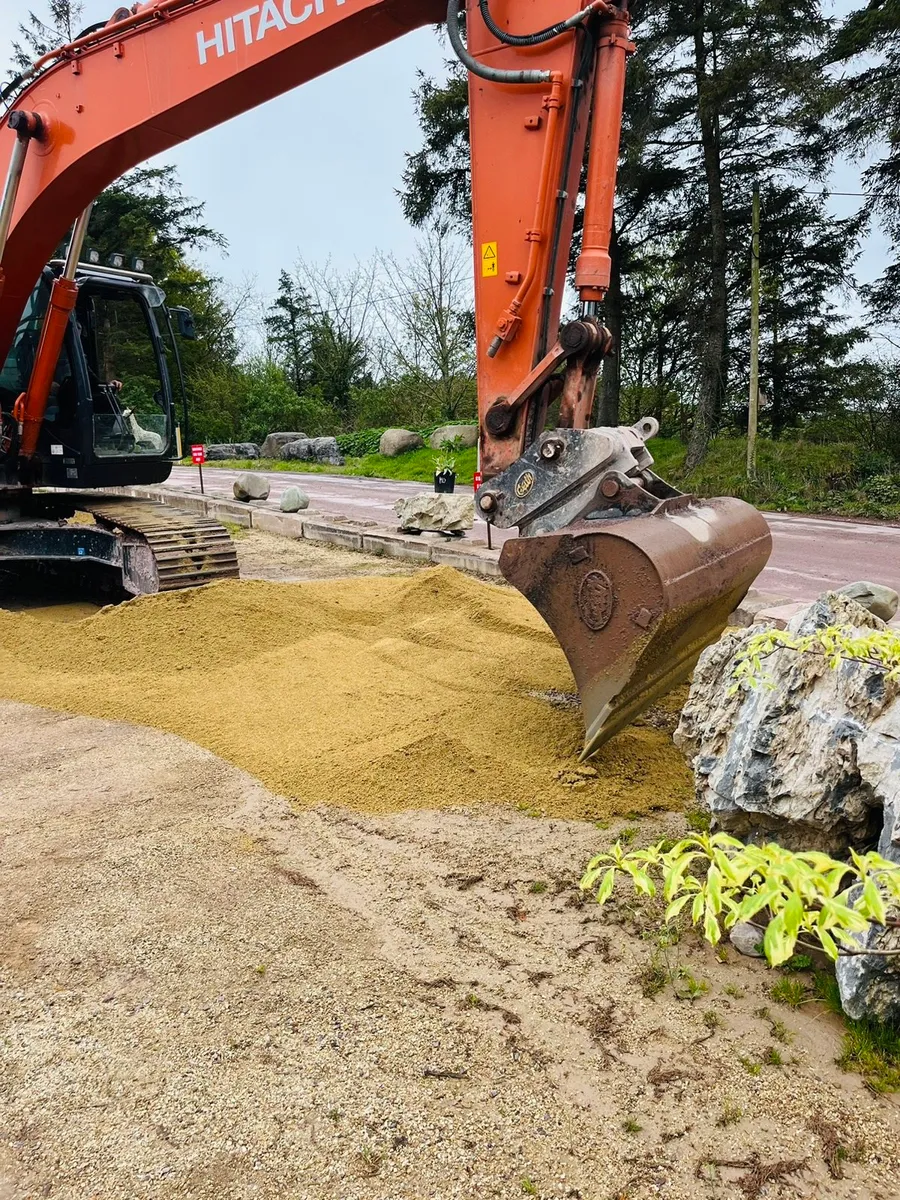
point(809, 555)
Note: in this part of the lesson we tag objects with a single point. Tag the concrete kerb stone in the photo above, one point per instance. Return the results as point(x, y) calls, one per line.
point(478, 561)
point(396, 545)
point(288, 525)
point(334, 535)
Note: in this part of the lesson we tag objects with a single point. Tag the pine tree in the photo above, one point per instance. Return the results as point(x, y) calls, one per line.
point(288, 331)
point(63, 24)
point(869, 110)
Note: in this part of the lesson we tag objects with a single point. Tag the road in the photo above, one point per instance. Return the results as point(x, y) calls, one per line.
point(809, 555)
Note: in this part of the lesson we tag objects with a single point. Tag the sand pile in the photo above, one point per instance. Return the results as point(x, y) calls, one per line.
point(375, 693)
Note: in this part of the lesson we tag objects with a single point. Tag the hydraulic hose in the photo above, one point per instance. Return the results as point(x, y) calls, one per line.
point(531, 39)
point(492, 74)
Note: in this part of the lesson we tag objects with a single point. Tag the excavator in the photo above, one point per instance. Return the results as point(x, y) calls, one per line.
point(633, 577)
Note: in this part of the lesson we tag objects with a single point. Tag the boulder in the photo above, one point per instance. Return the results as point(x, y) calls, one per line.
point(320, 450)
point(808, 758)
point(881, 601)
point(398, 441)
point(467, 434)
point(232, 450)
point(250, 486)
point(271, 447)
point(869, 984)
point(436, 512)
point(293, 500)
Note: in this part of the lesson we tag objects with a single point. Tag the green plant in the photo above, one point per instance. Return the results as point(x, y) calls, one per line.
point(443, 462)
point(537, 887)
point(712, 1020)
point(528, 1187)
point(879, 648)
point(797, 962)
point(732, 989)
point(791, 992)
point(630, 1125)
point(772, 1057)
point(731, 1114)
point(869, 1048)
point(751, 1067)
point(687, 987)
point(652, 978)
point(809, 895)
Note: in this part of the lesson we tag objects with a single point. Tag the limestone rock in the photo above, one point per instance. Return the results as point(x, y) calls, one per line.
point(250, 486)
point(271, 447)
point(870, 984)
point(398, 441)
point(320, 449)
point(880, 600)
point(436, 511)
point(810, 762)
point(232, 450)
point(467, 434)
point(293, 500)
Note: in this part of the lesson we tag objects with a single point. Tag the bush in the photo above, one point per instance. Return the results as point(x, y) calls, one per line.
point(360, 443)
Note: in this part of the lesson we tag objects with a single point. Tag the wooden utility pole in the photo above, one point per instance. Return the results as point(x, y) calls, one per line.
point(753, 418)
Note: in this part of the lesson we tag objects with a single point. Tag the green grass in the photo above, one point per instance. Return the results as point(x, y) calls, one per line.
point(870, 1049)
point(792, 992)
point(416, 466)
point(793, 475)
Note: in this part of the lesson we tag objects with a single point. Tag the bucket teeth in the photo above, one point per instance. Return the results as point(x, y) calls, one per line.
point(634, 601)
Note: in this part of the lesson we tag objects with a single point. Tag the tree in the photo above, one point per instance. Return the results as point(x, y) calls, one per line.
point(340, 329)
point(288, 331)
point(868, 108)
point(437, 179)
point(424, 309)
point(63, 24)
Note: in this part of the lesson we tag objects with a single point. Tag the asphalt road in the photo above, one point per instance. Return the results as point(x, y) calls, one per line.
point(810, 554)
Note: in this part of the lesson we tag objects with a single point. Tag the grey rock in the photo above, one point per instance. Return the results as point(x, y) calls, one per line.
point(747, 939)
point(398, 441)
point(467, 434)
point(293, 500)
point(880, 600)
point(320, 450)
point(811, 761)
point(436, 512)
point(271, 447)
point(232, 450)
point(870, 984)
point(250, 486)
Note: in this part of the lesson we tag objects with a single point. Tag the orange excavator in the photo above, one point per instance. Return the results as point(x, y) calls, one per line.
point(633, 577)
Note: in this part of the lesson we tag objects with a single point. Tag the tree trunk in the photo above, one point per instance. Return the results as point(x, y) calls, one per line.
point(715, 335)
point(609, 398)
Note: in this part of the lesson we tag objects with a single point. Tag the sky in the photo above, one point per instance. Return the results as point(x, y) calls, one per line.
point(314, 173)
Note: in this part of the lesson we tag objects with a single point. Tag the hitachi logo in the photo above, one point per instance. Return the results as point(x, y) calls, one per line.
point(252, 24)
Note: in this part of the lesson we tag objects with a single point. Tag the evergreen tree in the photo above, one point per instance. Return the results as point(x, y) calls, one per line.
point(63, 24)
point(288, 331)
point(869, 110)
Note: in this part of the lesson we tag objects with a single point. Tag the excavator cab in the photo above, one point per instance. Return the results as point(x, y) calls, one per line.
point(111, 415)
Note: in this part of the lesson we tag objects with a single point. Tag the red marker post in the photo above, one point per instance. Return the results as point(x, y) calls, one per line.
point(476, 484)
point(198, 456)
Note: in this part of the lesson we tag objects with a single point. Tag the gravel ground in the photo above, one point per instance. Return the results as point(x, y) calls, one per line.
point(204, 993)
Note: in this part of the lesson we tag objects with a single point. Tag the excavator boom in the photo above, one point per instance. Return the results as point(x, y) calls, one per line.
point(598, 531)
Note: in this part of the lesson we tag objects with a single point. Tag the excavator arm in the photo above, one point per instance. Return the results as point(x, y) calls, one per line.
point(633, 577)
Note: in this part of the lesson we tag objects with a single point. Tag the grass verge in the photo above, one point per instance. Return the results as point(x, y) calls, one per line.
point(416, 466)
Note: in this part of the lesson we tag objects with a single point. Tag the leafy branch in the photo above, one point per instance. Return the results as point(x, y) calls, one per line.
point(813, 900)
point(877, 648)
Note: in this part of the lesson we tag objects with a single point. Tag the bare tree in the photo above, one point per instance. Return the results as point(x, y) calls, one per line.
point(424, 308)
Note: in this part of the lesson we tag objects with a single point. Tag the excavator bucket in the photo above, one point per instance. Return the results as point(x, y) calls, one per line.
point(636, 586)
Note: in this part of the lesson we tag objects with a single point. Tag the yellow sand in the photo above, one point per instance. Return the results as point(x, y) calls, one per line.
point(377, 693)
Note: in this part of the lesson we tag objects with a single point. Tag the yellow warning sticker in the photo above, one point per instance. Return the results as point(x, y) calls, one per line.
point(488, 258)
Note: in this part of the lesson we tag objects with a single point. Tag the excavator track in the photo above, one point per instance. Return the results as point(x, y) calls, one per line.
point(188, 551)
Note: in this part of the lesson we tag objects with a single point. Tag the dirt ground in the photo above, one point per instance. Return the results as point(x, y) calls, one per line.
point(207, 991)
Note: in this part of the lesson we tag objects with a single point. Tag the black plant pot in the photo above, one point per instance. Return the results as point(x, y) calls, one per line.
point(444, 481)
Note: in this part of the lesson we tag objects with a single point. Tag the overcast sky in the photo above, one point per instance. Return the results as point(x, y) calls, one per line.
point(315, 172)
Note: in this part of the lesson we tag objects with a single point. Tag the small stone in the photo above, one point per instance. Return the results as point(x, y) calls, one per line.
point(747, 939)
point(250, 486)
point(880, 600)
point(436, 511)
point(293, 500)
point(398, 441)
